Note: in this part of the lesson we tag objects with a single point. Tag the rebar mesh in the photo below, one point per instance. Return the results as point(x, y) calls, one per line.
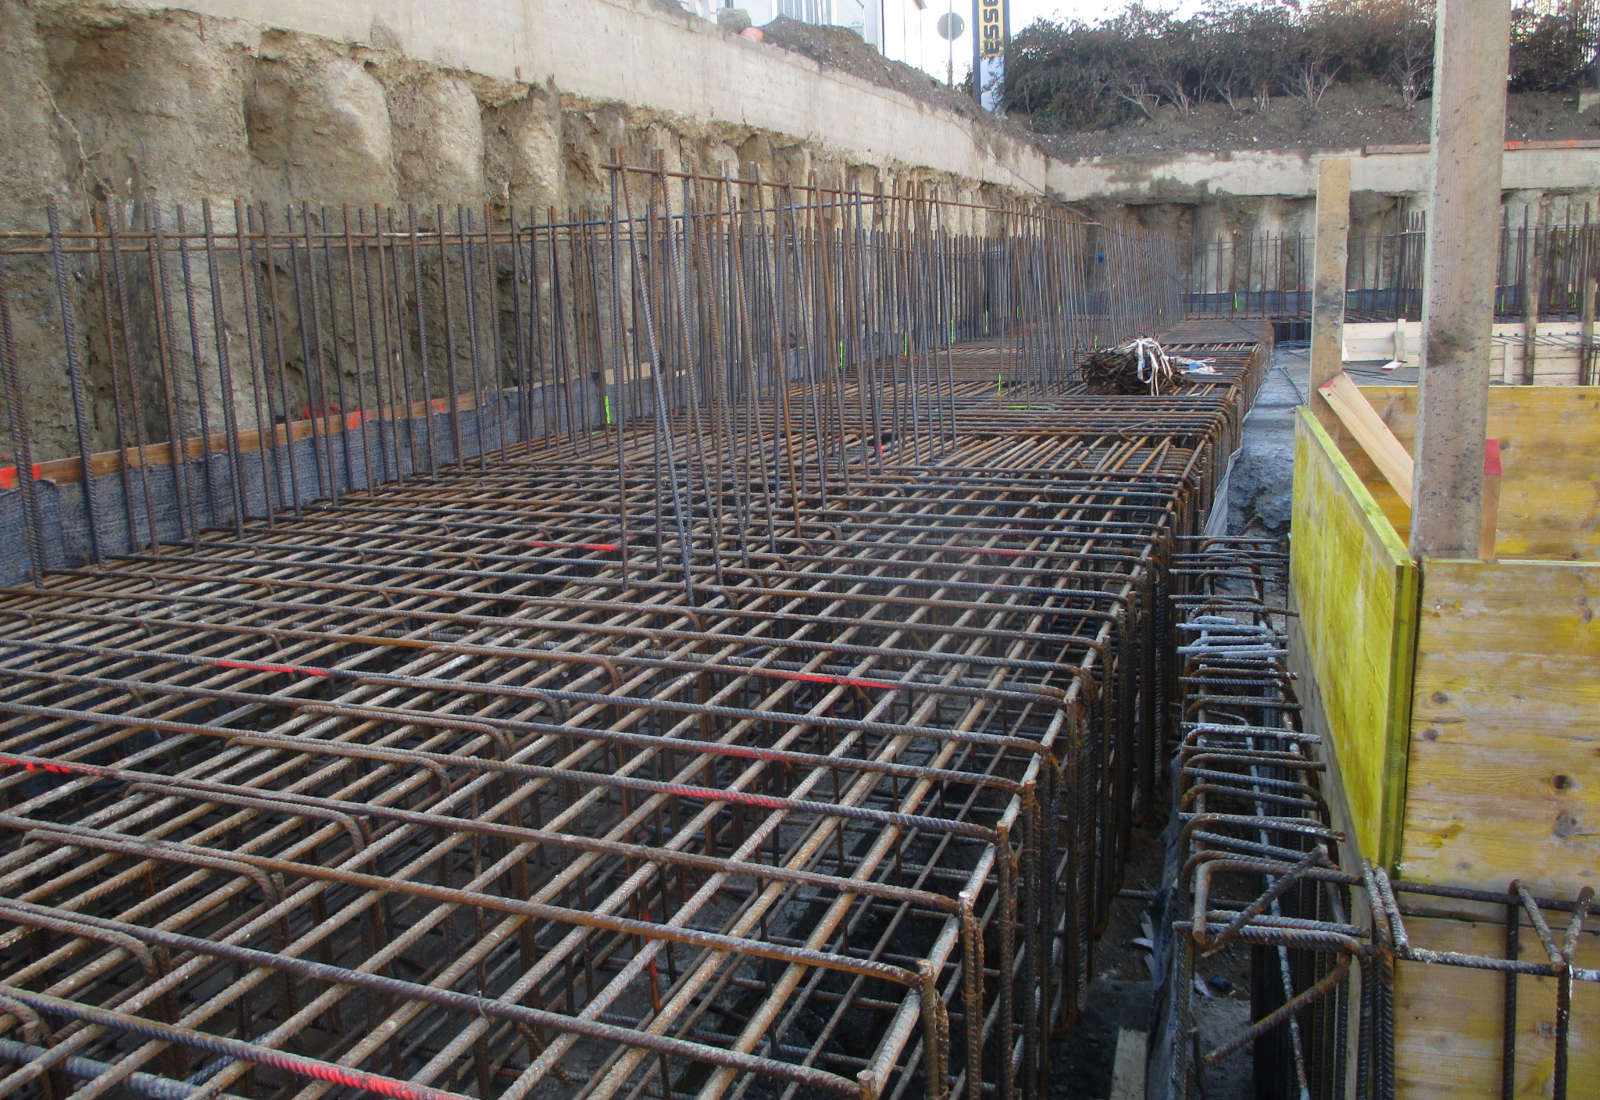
point(757, 739)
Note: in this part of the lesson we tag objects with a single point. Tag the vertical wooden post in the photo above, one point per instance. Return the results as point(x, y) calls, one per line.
point(1532, 280)
point(1586, 276)
point(1327, 288)
point(1469, 129)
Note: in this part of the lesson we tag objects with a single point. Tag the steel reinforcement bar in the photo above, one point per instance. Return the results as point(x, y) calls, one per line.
point(1255, 862)
point(752, 747)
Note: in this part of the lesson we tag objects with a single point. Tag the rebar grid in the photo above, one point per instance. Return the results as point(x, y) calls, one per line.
point(300, 354)
point(739, 738)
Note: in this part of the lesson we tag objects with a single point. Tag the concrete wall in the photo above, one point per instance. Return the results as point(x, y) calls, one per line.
point(1222, 197)
point(508, 104)
point(518, 101)
point(634, 52)
point(1201, 176)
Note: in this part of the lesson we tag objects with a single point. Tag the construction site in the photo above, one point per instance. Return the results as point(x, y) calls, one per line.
point(568, 551)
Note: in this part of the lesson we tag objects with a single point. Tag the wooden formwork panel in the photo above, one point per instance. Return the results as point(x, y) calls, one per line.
point(1550, 457)
point(1450, 1021)
point(1504, 775)
point(1355, 588)
point(1462, 701)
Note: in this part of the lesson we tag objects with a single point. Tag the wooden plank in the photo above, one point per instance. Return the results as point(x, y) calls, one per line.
point(160, 454)
point(1378, 341)
point(1127, 1069)
point(1362, 421)
point(1328, 280)
point(1355, 587)
point(1504, 773)
point(1449, 1020)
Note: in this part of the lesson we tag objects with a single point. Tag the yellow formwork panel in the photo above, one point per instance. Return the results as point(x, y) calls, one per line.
point(1355, 588)
point(1462, 699)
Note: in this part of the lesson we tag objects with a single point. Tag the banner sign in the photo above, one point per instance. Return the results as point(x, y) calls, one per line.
point(991, 22)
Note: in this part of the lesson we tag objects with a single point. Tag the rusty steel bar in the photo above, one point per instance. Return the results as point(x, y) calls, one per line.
point(770, 723)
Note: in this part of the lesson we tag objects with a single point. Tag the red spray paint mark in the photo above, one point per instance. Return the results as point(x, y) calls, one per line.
point(9, 480)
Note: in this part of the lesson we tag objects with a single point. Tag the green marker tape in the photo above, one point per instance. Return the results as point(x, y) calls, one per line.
point(607, 399)
point(999, 385)
point(908, 345)
point(841, 355)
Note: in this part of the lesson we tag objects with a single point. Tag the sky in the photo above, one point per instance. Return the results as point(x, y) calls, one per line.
point(912, 37)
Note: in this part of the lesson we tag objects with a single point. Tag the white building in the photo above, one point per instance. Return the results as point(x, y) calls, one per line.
point(895, 23)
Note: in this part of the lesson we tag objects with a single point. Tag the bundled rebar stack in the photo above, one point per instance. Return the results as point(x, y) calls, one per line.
point(770, 729)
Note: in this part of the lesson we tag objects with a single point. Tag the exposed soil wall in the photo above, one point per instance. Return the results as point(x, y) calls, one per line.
point(425, 102)
point(122, 101)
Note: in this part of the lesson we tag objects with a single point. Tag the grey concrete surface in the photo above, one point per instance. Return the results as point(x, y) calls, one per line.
point(1260, 486)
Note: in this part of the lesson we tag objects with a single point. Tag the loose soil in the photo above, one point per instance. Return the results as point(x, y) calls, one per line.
point(1348, 117)
point(843, 50)
point(1122, 994)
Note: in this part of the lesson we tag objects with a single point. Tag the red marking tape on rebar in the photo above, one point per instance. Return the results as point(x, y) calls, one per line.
point(823, 678)
point(253, 666)
point(999, 551)
point(606, 546)
point(54, 767)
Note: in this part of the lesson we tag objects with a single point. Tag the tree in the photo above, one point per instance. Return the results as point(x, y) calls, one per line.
point(1552, 49)
point(1240, 49)
point(1410, 66)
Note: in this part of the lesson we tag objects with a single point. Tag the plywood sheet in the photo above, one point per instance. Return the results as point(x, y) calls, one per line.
point(1449, 1020)
point(1504, 773)
point(1356, 588)
point(1550, 454)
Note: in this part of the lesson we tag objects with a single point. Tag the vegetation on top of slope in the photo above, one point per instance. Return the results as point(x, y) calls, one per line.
point(1081, 76)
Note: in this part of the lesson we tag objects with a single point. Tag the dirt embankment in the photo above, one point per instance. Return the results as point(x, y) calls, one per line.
point(843, 50)
point(1348, 117)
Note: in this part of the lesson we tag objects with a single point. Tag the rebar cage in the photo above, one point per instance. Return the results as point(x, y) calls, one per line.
point(773, 728)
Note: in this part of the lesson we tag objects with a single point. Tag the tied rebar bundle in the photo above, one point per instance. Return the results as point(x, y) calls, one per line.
point(1139, 366)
